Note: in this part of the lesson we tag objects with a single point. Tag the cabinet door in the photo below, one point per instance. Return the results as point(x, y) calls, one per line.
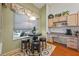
point(72, 20)
point(50, 23)
point(78, 19)
point(72, 43)
point(63, 18)
point(56, 19)
point(50, 40)
point(78, 43)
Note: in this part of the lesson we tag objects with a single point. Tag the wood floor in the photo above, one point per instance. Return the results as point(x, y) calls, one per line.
point(61, 50)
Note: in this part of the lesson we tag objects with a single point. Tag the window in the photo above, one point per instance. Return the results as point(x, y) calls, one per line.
point(22, 23)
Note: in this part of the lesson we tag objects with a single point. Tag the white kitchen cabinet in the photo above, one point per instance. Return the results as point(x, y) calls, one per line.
point(72, 20)
point(63, 18)
point(78, 19)
point(50, 23)
point(72, 43)
point(60, 39)
point(49, 38)
point(56, 19)
point(78, 44)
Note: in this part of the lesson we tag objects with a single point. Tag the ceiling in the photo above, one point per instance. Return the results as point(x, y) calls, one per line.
point(39, 5)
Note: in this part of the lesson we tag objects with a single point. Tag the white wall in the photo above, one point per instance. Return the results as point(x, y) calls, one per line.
point(60, 7)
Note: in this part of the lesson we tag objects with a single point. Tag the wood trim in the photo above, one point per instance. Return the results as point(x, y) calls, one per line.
point(73, 49)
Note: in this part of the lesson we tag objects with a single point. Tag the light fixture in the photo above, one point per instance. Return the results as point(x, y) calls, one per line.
point(28, 14)
point(32, 18)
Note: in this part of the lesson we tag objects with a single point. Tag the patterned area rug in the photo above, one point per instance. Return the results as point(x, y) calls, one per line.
point(46, 52)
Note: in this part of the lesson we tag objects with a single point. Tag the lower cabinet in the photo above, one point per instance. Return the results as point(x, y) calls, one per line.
point(72, 43)
point(78, 44)
point(50, 40)
point(60, 40)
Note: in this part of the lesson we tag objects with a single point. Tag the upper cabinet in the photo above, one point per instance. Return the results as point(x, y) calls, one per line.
point(63, 18)
point(78, 19)
point(56, 19)
point(72, 20)
point(68, 20)
point(59, 19)
point(50, 22)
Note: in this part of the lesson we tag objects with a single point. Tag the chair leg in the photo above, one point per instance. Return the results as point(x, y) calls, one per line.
point(39, 51)
point(42, 46)
point(45, 45)
point(21, 47)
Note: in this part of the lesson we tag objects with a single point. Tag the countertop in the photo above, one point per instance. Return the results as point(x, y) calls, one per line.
point(21, 38)
point(63, 35)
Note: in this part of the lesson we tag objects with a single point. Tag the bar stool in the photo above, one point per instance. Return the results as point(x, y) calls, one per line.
point(35, 47)
point(43, 42)
point(25, 45)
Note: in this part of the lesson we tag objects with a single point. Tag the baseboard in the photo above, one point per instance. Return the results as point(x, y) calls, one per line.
point(10, 53)
point(60, 43)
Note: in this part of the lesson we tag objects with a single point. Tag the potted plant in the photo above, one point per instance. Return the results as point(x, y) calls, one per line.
point(58, 15)
point(65, 13)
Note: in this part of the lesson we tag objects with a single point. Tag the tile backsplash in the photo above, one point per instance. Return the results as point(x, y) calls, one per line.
point(63, 29)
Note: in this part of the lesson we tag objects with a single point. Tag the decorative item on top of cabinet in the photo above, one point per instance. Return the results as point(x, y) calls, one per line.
point(65, 13)
point(58, 15)
point(50, 20)
point(50, 16)
point(72, 20)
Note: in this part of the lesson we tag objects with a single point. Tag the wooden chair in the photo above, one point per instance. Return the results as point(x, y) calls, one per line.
point(25, 45)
